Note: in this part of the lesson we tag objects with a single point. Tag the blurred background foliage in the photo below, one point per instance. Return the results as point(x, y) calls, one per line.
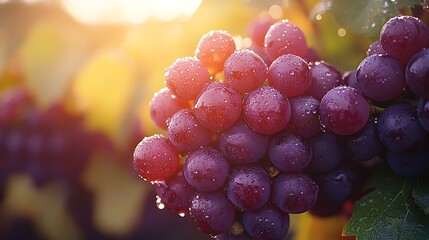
point(105, 59)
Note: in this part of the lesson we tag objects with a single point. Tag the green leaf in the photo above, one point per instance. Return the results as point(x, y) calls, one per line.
point(421, 195)
point(389, 211)
point(364, 16)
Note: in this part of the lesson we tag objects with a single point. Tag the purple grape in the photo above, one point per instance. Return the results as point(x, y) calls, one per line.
point(218, 108)
point(206, 169)
point(312, 56)
point(399, 128)
point(186, 133)
point(326, 153)
point(245, 71)
point(266, 223)
point(324, 77)
point(423, 113)
point(155, 158)
point(242, 145)
point(289, 152)
point(174, 193)
point(248, 187)
point(350, 79)
point(266, 110)
point(344, 110)
point(375, 48)
point(186, 77)
point(403, 36)
point(211, 212)
point(381, 72)
point(283, 38)
point(365, 144)
point(294, 193)
point(410, 163)
point(417, 73)
point(258, 28)
point(226, 236)
point(163, 105)
point(290, 75)
point(305, 117)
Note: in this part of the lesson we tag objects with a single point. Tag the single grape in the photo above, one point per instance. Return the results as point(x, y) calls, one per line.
point(242, 145)
point(266, 223)
point(174, 193)
point(290, 75)
point(155, 158)
point(186, 133)
point(350, 79)
point(218, 107)
point(289, 152)
point(423, 113)
point(344, 110)
point(326, 153)
point(413, 162)
point(403, 36)
point(186, 77)
point(312, 56)
point(284, 37)
point(257, 29)
point(417, 73)
point(266, 110)
point(248, 187)
point(294, 193)
point(211, 212)
point(324, 77)
point(164, 104)
point(378, 72)
point(375, 48)
point(245, 70)
point(365, 144)
point(305, 117)
point(399, 128)
point(206, 169)
point(213, 49)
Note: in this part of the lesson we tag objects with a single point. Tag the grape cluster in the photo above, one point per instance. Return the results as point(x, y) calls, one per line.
point(46, 144)
point(256, 134)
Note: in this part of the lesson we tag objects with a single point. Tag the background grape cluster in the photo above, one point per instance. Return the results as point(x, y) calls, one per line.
point(256, 134)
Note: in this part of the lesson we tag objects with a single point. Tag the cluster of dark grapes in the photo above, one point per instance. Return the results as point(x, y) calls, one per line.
point(256, 134)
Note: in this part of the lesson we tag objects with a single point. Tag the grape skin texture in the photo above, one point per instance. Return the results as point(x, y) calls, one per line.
point(423, 113)
point(378, 72)
point(258, 29)
point(163, 105)
point(266, 110)
point(242, 145)
point(411, 163)
point(186, 133)
point(186, 77)
point(375, 48)
point(403, 36)
point(155, 158)
point(344, 111)
point(294, 193)
point(211, 212)
point(206, 169)
point(283, 38)
point(218, 108)
point(266, 223)
point(213, 49)
point(350, 79)
point(289, 152)
point(326, 153)
point(245, 71)
point(399, 128)
point(417, 73)
point(175, 193)
point(248, 187)
point(305, 116)
point(324, 77)
point(290, 75)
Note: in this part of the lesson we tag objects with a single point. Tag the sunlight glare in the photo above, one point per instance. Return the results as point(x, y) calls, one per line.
point(129, 11)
